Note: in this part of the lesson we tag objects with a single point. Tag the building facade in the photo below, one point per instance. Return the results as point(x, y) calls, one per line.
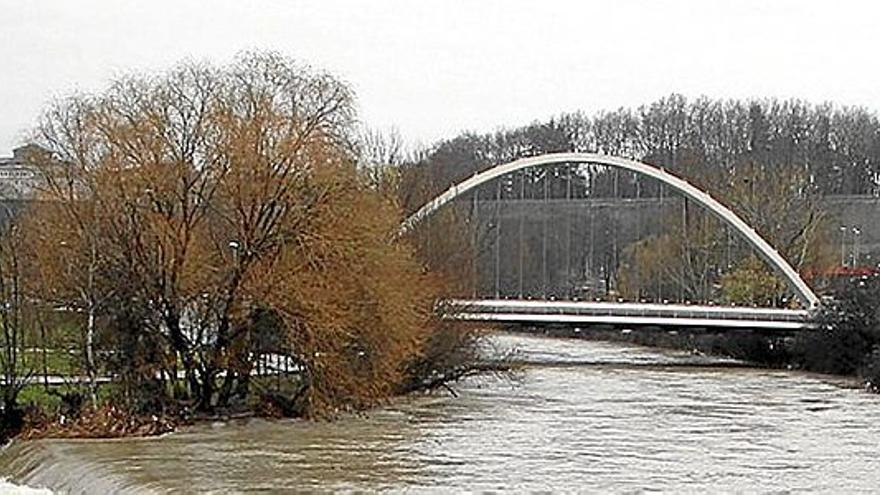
point(18, 179)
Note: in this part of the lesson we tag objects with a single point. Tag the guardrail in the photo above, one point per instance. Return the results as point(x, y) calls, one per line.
point(627, 313)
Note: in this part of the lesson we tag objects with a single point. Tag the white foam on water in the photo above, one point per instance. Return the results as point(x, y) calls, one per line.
point(9, 488)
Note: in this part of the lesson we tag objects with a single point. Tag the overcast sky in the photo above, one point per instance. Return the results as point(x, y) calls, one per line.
point(435, 68)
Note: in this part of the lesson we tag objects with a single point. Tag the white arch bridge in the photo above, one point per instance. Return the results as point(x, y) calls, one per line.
point(622, 313)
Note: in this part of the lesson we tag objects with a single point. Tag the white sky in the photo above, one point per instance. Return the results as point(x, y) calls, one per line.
point(433, 68)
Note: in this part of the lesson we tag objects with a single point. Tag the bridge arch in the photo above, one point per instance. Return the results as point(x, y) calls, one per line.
point(767, 252)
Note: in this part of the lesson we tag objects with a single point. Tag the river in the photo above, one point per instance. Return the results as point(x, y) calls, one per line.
point(581, 416)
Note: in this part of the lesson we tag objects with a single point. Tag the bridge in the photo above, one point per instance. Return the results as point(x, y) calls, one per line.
point(557, 310)
point(525, 312)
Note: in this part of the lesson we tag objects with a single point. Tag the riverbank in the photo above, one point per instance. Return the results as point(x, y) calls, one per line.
point(743, 345)
point(750, 348)
point(64, 412)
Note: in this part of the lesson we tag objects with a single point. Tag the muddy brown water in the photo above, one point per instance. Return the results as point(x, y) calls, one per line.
point(580, 417)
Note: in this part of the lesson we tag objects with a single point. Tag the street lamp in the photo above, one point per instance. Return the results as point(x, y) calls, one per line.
point(857, 232)
point(843, 245)
point(234, 245)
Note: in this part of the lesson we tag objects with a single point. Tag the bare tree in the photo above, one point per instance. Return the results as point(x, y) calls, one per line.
point(14, 322)
point(198, 199)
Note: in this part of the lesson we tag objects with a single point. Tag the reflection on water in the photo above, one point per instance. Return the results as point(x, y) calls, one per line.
point(628, 421)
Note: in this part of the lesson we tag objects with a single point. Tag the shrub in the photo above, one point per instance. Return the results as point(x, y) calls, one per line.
point(848, 332)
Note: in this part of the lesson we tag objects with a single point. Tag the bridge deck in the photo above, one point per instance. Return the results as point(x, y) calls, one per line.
point(628, 314)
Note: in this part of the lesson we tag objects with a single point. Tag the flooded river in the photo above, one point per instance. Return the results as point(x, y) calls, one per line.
point(582, 416)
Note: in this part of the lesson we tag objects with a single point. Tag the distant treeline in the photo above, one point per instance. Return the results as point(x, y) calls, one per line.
point(838, 148)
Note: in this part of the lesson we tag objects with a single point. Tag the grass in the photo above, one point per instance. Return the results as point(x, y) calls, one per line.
point(37, 395)
point(57, 361)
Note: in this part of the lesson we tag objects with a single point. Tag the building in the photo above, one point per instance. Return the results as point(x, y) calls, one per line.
point(18, 179)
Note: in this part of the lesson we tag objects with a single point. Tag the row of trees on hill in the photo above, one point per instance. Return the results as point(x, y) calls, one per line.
point(837, 149)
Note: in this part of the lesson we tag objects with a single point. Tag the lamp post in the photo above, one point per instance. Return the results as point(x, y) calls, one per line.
point(857, 232)
point(234, 245)
point(843, 245)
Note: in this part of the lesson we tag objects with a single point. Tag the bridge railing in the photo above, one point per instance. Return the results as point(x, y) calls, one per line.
point(499, 306)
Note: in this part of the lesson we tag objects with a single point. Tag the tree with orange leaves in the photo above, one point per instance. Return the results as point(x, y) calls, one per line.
point(181, 207)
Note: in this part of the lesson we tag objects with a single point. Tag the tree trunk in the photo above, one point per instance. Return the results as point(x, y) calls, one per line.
point(90, 357)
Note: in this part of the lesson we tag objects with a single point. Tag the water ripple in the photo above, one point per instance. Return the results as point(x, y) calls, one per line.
point(585, 417)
